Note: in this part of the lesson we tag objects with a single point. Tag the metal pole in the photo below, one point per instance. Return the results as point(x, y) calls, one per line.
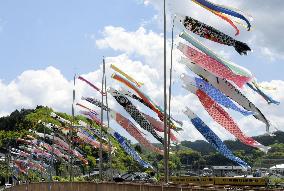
point(170, 88)
point(42, 153)
point(102, 118)
point(71, 133)
point(165, 101)
point(109, 142)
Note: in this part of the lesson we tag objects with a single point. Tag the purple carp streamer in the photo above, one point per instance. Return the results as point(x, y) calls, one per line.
point(214, 93)
point(213, 139)
point(210, 33)
point(228, 89)
point(135, 113)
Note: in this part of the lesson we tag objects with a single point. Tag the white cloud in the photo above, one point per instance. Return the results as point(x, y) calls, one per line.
point(36, 87)
point(180, 97)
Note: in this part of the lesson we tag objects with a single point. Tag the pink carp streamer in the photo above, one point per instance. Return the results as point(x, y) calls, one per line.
point(225, 120)
point(127, 125)
point(56, 151)
point(213, 66)
point(134, 132)
point(159, 126)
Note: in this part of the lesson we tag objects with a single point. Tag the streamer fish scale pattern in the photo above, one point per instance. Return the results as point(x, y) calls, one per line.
point(210, 33)
point(135, 114)
point(223, 118)
point(133, 131)
point(215, 141)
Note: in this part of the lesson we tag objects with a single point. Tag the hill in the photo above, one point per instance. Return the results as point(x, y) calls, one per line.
point(191, 155)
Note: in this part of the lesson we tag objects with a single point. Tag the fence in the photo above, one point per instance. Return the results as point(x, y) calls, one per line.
point(107, 186)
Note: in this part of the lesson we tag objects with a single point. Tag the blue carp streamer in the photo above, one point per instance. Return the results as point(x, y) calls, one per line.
point(213, 139)
point(214, 93)
point(123, 143)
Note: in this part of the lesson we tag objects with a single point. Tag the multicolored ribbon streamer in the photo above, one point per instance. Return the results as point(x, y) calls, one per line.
point(211, 33)
point(221, 9)
point(234, 67)
point(224, 119)
point(138, 84)
point(135, 113)
point(212, 65)
point(90, 84)
point(213, 92)
point(228, 89)
point(213, 139)
point(267, 98)
point(144, 99)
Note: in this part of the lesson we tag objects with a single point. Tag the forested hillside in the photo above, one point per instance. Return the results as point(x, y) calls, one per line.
point(194, 155)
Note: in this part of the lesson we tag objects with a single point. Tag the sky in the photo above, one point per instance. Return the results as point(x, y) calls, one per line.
point(43, 43)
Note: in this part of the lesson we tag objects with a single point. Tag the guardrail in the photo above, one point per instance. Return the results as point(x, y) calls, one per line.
point(112, 186)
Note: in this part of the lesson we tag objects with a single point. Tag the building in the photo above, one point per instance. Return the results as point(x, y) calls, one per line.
point(277, 170)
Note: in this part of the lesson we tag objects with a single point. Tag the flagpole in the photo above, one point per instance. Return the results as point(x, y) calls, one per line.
point(165, 102)
point(109, 142)
point(170, 88)
point(102, 118)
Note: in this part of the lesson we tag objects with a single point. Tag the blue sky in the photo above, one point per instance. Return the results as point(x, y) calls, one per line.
point(71, 36)
point(36, 34)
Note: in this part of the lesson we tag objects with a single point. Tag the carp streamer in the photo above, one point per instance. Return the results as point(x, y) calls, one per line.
point(228, 89)
point(145, 100)
point(232, 66)
point(131, 129)
point(210, 33)
point(134, 113)
point(212, 65)
point(214, 93)
point(212, 138)
point(223, 118)
point(126, 147)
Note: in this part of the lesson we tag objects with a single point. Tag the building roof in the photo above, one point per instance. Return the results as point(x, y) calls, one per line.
point(277, 166)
